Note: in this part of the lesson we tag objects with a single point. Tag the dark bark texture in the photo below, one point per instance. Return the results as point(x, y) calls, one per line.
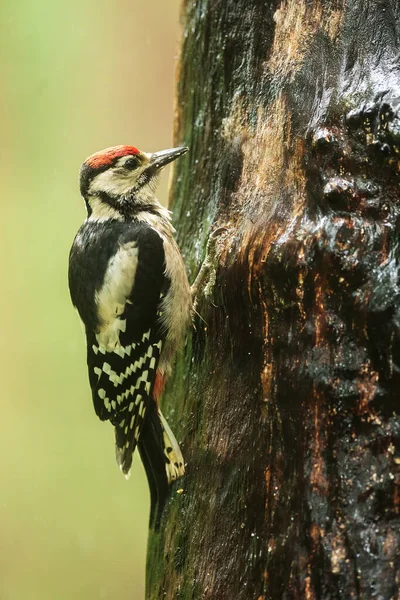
point(286, 397)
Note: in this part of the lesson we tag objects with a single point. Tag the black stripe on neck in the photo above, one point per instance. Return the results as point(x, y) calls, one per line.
point(128, 208)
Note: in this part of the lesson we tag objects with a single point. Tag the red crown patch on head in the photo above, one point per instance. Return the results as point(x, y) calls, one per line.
point(107, 156)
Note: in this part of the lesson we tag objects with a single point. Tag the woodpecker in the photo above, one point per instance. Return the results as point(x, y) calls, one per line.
point(129, 285)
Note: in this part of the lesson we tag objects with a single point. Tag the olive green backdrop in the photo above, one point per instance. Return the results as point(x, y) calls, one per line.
point(75, 77)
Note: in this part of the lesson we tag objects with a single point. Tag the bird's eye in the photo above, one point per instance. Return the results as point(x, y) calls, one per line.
point(131, 163)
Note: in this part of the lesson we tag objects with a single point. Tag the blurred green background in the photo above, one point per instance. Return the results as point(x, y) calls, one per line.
point(75, 77)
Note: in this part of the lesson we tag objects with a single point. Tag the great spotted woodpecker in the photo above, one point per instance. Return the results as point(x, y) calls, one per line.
point(128, 282)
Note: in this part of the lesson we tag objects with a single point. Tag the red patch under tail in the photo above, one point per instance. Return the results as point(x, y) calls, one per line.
point(159, 385)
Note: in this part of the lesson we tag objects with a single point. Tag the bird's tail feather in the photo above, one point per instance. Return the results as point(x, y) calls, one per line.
point(162, 460)
point(125, 444)
point(174, 464)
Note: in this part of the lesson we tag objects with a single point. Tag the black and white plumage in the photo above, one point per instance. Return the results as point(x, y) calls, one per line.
point(128, 282)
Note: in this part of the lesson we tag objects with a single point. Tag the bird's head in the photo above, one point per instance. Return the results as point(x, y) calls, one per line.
point(122, 179)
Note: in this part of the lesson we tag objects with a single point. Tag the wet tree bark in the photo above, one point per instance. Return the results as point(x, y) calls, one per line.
point(286, 397)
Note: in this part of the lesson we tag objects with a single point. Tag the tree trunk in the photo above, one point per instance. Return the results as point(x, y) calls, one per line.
point(286, 397)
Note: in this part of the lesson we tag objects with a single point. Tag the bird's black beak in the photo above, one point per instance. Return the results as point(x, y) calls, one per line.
point(158, 160)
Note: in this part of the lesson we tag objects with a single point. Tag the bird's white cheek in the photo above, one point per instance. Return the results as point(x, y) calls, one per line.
point(113, 183)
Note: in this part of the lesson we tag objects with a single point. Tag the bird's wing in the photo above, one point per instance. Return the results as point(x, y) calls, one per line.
point(123, 354)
